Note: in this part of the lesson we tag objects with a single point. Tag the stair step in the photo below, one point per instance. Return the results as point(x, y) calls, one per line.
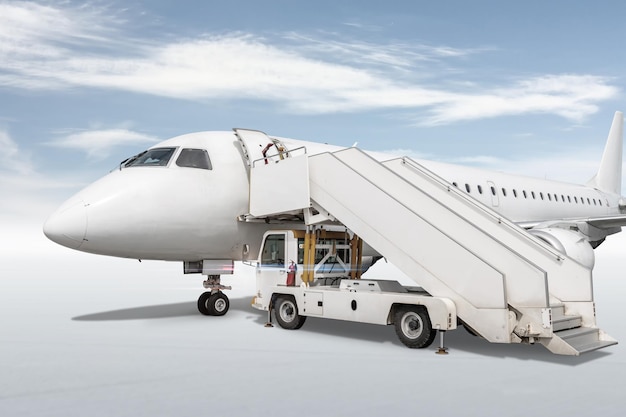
point(581, 332)
point(566, 322)
point(558, 310)
point(583, 339)
point(595, 346)
point(577, 341)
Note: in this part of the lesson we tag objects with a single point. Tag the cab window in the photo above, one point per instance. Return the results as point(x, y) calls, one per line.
point(157, 157)
point(194, 158)
point(274, 251)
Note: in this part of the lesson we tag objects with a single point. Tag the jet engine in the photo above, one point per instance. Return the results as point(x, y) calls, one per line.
point(568, 242)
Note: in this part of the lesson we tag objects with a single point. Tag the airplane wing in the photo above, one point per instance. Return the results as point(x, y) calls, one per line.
point(596, 229)
point(601, 222)
point(607, 222)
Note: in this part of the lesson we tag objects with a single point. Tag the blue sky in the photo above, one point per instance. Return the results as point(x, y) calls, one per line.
point(528, 87)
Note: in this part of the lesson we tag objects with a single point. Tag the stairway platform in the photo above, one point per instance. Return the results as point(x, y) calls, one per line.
point(584, 339)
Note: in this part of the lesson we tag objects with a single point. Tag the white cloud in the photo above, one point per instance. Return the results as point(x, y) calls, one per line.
point(98, 143)
point(407, 57)
point(47, 47)
point(25, 191)
point(12, 159)
point(569, 96)
point(29, 29)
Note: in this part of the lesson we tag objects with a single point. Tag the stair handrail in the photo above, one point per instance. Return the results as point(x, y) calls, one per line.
point(287, 152)
point(479, 206)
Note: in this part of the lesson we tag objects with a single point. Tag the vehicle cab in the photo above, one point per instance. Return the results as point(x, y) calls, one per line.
point(296, 258)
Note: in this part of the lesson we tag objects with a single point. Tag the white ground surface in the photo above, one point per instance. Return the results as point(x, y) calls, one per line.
point(83, 335)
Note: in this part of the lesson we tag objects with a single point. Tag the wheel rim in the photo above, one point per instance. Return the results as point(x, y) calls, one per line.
point(287, 311)
point(412, 325)
point(220, 305)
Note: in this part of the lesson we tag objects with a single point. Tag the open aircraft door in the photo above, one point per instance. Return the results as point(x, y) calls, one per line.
point(260, 148)
point(279, 177)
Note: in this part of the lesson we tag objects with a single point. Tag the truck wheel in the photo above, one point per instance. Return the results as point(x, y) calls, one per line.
point(218, 304)
point(286, 312)
point(413, 327)
point(203, 306)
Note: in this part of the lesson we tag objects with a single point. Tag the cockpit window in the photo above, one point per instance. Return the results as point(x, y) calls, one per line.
point(157, 157)
point(194, 158)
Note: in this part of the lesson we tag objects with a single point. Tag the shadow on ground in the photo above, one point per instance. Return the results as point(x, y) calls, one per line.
point(458, 340)
point(161, 311)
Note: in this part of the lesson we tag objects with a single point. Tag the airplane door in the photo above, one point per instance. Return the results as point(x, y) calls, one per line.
point(260, 148)
point(493, 191)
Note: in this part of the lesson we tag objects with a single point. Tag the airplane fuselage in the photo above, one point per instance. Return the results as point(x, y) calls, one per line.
point(181, 213)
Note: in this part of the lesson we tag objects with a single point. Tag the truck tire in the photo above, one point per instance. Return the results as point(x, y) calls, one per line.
point(413, 327)
point(286, 312)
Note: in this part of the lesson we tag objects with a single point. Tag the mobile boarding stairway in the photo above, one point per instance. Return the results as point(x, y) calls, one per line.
point(508, 286)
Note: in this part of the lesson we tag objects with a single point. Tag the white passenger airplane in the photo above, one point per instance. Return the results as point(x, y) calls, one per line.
point(186, 199)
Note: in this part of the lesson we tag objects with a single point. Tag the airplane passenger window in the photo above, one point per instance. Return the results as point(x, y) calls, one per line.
point(480, 189)
point(157, 157)
point(575, 199)
point(588, 201)
point(524, 192)
point(582, 200)
point(541, 194)
point(194, 158)
point(504, 192)
point(533, 194)
point(515, 192)
point(467, 188)
point(493, 190)
point(549, 197)
point(569, 199)
point(563, 198)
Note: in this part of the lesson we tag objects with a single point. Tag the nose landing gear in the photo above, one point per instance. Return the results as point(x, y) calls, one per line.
point(214, 302)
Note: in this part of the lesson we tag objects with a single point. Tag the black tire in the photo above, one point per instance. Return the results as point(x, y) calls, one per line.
point(203, 303)
point(219, 304)
point(213, 304)
point(286, 312)
point(413, 327)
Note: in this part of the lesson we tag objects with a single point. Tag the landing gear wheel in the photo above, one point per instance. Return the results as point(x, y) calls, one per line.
point(218, 304)
point(286, 312)
point(413, 327)
point(213, 304)
point(203, 300)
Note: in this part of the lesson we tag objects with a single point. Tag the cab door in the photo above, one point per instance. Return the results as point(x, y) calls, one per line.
point(272, 265)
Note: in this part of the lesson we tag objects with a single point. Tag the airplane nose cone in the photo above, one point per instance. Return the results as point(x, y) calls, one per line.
point(68, 225)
